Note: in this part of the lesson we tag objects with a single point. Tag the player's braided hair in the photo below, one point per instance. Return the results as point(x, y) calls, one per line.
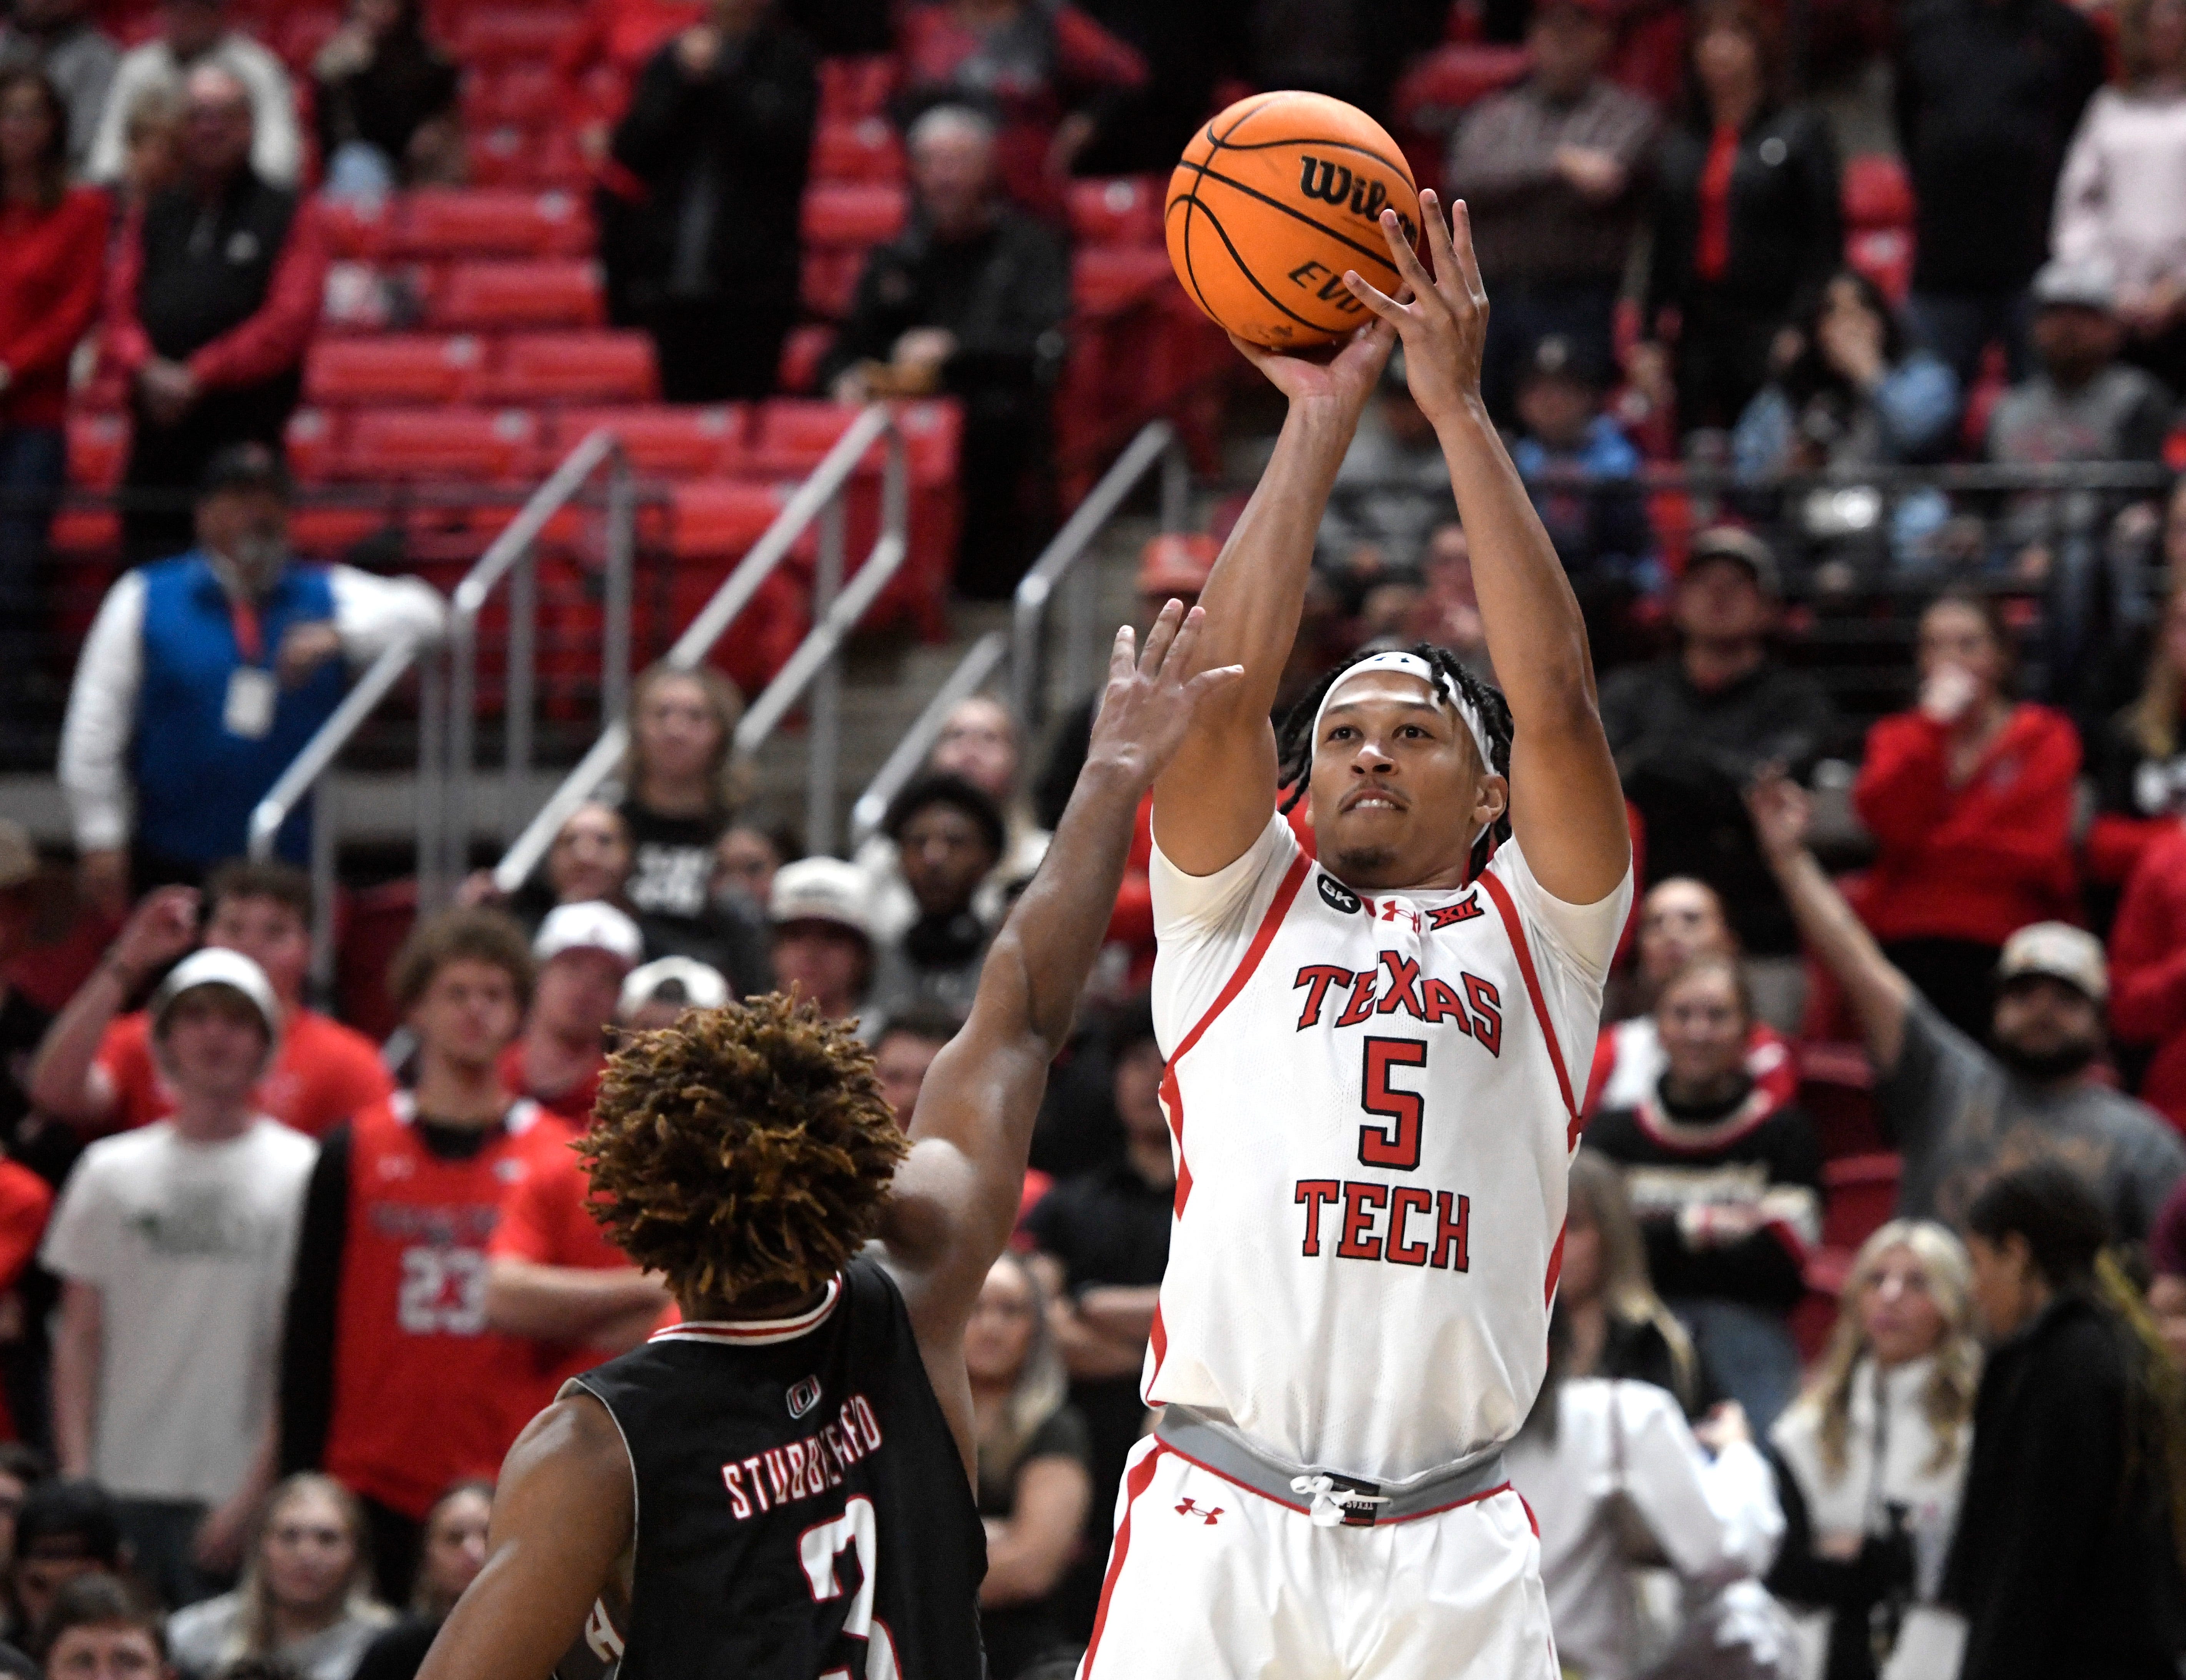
point(1294, 742)
point(744, 1148)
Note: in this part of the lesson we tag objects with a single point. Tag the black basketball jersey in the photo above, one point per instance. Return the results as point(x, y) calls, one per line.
point(801, 1507)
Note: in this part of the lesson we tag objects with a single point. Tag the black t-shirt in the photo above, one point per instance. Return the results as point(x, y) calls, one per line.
point(1728, 1196)
point(22, 1028)
point(1018, 1635)
point(1109, 1226)
point(673, 862)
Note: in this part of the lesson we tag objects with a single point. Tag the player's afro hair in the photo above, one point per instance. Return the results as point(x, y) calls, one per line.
point(1294, 743)
point(744, 1148)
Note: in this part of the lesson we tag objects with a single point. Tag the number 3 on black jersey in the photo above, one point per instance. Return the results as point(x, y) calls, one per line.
point(1397, 1146)
point(857, 1533)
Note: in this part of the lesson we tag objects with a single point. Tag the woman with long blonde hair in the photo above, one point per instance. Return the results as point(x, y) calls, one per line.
point(305, 1600)
point(1876, 1449)
point(1035, 1483)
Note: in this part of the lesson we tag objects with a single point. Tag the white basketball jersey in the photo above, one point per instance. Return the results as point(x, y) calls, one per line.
point(1373, 1102)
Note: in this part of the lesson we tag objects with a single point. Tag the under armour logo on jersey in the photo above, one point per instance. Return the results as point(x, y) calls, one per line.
point(1337, 896)
point(1193, 1508)
point(803, 1396)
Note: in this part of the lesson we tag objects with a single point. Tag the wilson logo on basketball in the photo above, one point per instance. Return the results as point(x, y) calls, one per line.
point(1333, 183)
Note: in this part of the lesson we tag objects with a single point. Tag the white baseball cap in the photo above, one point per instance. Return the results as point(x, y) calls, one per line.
point(2058, 951)
point(822, 889)
point(592, 926)
point(214, 966)
point(702, 987)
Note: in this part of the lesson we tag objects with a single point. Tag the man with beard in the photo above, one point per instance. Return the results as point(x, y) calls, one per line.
point(1962, 1113)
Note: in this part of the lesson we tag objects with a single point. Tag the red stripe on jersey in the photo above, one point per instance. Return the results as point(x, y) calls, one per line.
point(1172, 1097)
point(1509, 912)
point(1136, 1483)
point(1555, 1269)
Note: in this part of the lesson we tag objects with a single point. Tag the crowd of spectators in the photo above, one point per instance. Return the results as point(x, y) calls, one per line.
point(273, 1302)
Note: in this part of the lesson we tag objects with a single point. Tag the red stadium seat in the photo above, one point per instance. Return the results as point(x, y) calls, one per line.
point(863, 151)
point(98, 450)
point(529, 94)
point(720, 519)
point(1858, 1194)
point(1836, 1088)
point(504, 35)
point(828, 282)
point(311, 443)
point(525, 157)
point(1125, 210)
point(356, 232)
point(396, 367)
point(303, 31)
point(933, 435)
point(852, 89)
point(1876, 192)
point(1432, 95)
point(1884, 255)
point(542, 292)
point(802, 352)
point(1108, 280)
point(458, 444)
point(451, 221)
point(840, 214)
point(557, 368)
point(795, 433)
point(667, 443)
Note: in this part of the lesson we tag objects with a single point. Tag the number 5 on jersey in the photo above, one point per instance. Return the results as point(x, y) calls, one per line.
point(1396, 1145)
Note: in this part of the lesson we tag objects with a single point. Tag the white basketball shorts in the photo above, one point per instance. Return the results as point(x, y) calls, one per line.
point(1208, 1580)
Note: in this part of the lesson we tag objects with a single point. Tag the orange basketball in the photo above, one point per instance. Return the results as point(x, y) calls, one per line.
point(1273, 200)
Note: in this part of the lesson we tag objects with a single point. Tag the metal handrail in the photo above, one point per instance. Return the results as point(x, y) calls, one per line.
point(969, 677)
point(304, 771)
point(513, 556)
point(1156, 442)
point(821, 494)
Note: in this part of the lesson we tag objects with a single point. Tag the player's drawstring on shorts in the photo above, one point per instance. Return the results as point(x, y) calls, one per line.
point(1327, 1510)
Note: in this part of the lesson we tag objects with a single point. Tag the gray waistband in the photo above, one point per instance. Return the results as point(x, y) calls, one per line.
point(1330, 1497)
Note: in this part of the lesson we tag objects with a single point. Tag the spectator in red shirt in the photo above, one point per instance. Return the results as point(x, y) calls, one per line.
point(210, 306)
point(2140, 760)
point(1680, 919)
point(1042, 70)
point(2148, 968)
point(585, 952)
point(392, 1379)
point(53, 261)
point(96, 1069)
point(1969, 798)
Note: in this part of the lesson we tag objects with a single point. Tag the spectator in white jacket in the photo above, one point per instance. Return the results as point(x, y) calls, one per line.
point(2122, 198)
point(194, 32)
point(1600, 1460)
point(1875, 1450)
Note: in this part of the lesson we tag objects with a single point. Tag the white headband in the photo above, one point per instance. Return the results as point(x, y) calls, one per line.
point(1412, 665)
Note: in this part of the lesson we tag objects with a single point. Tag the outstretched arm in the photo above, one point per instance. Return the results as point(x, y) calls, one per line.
point(1213, 800)
point(1880, 993)
point(956, 1197)
point(1566, 805)
point(563, 1512)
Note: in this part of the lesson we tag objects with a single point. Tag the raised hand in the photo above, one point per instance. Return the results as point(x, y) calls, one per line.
point(1442, 317)
point(1343, 378)
point(1150, 701)
point(1780, 812)
point(163, 927)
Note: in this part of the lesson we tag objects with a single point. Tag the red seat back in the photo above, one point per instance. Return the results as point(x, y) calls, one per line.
point(394, 367)
point(1124, 209)
point(542, 291)
point(451, 221)
point(669, 443)
point(455, 445)
point(556, 367)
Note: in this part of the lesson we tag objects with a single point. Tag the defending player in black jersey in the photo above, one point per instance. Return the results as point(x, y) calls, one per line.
point(779, 1487)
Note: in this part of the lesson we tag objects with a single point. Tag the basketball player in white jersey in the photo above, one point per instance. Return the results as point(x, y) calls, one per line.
point(1375, 1064)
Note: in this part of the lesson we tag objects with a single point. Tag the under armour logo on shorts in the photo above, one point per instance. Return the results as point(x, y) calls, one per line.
point(1193, 1508)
